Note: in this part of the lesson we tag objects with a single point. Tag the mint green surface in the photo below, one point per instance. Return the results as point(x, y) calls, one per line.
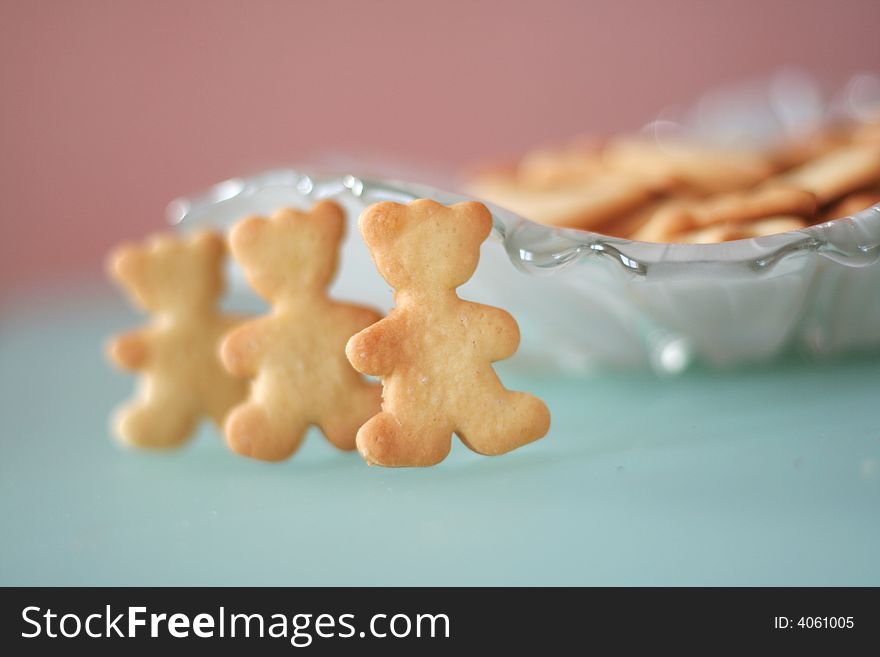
point(764, 476)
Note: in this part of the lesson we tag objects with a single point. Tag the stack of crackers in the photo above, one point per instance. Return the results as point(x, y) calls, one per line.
point(642, 188)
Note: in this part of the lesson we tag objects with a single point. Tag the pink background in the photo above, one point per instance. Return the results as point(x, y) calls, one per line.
point(109, 109)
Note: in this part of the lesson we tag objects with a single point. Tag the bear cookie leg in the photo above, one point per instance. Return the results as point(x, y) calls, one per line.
point(154, 423)
point(516, 419)
point(341, 425)
point(387, 440)
point(252, 430)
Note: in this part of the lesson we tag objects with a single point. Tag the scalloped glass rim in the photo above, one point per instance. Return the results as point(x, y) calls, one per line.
point(539, 250)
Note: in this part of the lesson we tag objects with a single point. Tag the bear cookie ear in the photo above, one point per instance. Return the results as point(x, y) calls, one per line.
point(245, 234)
point(330, 218)
point(209, 242)
point(382, 222)
point(126, 264)
point(479, 219)
point(129, 266)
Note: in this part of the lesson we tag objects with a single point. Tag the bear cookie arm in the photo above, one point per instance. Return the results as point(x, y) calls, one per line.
point(130, 351)
point(178, 280)
point(294, 356)
point(434, 350)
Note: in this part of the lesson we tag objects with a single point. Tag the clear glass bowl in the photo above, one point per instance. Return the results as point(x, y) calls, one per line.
point(585, 300)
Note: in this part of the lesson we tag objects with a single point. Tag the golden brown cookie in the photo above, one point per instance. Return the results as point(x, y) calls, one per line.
point(852, 204)
point(572, 164)
point(295, 355)
point(674, 166)
point(840, 172)
point(178, 280)
point(866, 133)
point(629, 223)
point(808, 146)
point(739, 231)
point(434, 350)
point(588, 205)
point(727, 209)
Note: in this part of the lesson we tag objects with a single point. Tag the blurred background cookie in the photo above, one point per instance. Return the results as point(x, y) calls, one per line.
point(673, 190)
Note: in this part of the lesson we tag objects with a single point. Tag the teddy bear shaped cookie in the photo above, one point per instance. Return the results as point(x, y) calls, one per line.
point(434, 350)
point(179, 281)
point(295, 355)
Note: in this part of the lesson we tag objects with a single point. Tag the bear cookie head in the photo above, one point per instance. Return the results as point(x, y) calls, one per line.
point(170, 273)
point(397, 236)
point(292, 253)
